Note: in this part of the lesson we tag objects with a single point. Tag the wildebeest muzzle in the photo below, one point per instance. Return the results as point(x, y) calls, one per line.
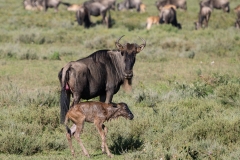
point(128, 74)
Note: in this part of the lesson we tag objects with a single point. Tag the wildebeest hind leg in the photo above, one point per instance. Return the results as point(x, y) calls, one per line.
point(76, 98)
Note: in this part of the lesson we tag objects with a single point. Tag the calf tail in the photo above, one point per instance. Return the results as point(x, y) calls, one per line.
point(65, 91)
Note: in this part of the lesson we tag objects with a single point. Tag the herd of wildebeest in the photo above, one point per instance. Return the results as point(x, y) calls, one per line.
point(167, 10)
point(104, 71)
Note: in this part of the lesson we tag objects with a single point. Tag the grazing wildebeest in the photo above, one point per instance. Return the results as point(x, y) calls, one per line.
point(169, 16)
point(97, 9)
point(178, 3)
point(100, 74)
point(45, 4)
point(129, 4)
point(203, 17)
point(152, 20)
point(83, 17)
point(217, 4)
point(97, 113)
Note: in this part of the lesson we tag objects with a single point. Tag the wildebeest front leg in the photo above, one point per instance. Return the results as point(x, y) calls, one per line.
point(108, 97)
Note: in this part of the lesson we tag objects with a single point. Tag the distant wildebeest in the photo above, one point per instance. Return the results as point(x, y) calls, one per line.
point(97, 9)
point(100, 74)
point(217, 4)
point(74, 7)
point(129, 4)
point(237, 11)
point(152, 20)
point(97, 113)
point(45, 4)
point(178, 3)
point(169, 16)
point(203, 17)
point(83, 17)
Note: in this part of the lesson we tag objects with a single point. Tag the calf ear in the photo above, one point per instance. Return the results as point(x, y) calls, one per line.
point(114, 105)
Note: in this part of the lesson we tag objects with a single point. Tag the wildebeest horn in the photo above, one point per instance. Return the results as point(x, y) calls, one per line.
point(118, 45)
point(141, 47)
point(120, 38)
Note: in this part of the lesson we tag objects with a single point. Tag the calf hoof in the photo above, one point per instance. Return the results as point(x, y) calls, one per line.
point(110, 155)
point(87, 155)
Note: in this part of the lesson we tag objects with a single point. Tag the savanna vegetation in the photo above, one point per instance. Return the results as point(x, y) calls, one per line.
point(186, 86)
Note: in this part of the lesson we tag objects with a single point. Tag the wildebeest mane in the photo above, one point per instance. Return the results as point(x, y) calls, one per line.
point(99, 55)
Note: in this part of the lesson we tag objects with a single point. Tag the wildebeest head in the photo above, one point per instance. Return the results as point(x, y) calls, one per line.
point(129, 51)
point(123, 111)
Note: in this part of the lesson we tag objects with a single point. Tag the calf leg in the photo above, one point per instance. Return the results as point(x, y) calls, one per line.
point(77, 136)
point(102, 130)
point(69, 138)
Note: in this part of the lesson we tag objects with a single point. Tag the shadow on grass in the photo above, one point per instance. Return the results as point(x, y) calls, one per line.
point(123, 144)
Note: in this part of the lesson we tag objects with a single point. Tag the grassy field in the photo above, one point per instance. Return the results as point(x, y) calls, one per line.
point(186, 86)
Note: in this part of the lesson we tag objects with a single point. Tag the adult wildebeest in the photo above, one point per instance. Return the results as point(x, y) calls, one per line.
point(100, 74)
point(178, 3)
point(169, 16)
point(45, 4)
point(217, 4)
point(129, 4)
point(97, 9)
point(203, 17)
point(83, 17)
point(97, 113)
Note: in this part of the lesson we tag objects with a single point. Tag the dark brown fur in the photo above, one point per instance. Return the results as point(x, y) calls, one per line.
point(97, 113)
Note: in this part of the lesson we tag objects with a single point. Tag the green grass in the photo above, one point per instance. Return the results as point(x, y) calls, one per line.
point(185, 106)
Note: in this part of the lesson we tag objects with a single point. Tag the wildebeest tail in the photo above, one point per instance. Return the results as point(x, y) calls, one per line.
point(65, 92)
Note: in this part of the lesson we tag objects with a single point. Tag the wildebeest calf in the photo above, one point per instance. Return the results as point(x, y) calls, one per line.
point(97, 113)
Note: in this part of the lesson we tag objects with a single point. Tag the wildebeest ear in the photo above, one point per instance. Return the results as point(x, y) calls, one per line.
point(119, 46)
point(114, 105)
point(140, 48)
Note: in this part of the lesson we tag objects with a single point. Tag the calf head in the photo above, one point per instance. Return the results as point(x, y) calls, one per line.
point(129, 51)
point(123, 111)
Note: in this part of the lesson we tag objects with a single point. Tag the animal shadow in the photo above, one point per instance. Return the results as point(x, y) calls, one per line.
point(123, 144)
